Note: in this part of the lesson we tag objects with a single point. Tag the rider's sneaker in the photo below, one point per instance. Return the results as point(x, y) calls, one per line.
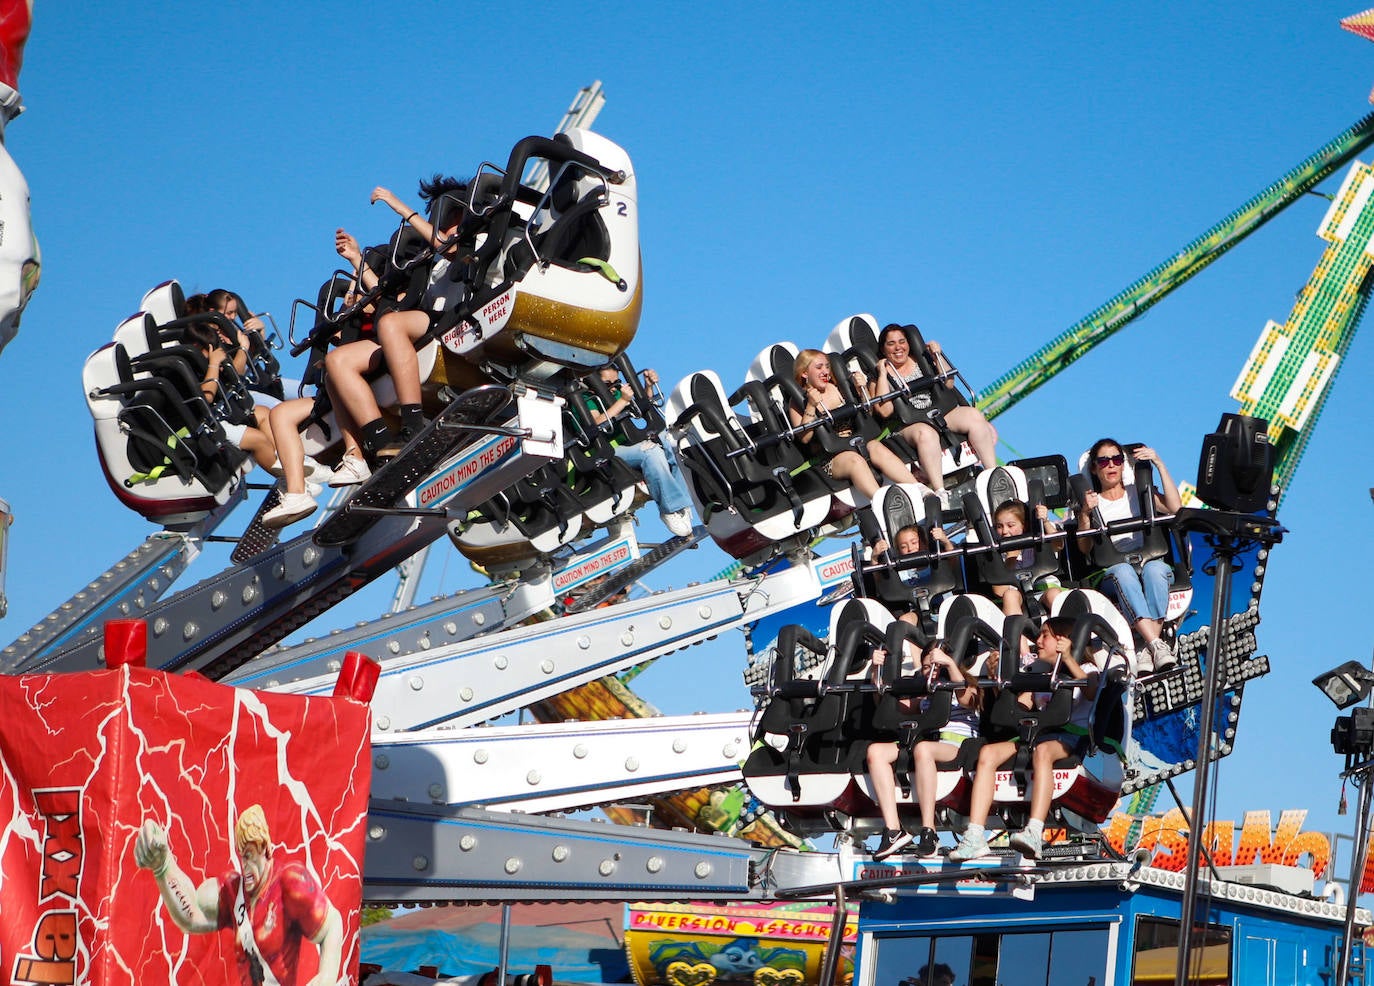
point(1026, 843)
point(891, 842)
point(969, 848)
point(679, 522)
point(928, 844)
point(293, 507)
point(1144, 661)
point(392, 447)
point(350, 472)
point(1163, 654)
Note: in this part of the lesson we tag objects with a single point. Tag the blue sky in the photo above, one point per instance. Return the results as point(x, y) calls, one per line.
point(989, 172)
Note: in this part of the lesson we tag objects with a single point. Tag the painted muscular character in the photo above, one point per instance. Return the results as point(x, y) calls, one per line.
point(272, 907)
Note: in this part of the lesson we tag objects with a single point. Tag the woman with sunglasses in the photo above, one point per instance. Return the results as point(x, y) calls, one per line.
point(1144, 595)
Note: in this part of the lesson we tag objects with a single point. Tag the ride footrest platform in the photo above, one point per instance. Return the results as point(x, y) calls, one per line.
point(258, 537)
point(441, 437)
point(600, 591)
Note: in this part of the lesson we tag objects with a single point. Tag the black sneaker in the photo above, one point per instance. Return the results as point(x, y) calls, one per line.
point(393, 446)
point(891, 842)
point(929, 843)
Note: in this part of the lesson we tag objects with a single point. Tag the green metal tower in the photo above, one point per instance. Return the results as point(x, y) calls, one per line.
point(1037, 369)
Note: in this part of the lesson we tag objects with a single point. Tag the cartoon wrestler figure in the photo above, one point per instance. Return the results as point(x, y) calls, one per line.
point(271, 906)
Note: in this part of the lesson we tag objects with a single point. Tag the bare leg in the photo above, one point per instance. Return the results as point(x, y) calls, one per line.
point(927, 755)
point(258, 445)
point(851, 467)
point(881, 757)
point(1042, 776)
point(887, 462)
point(345, 367)
point(990, 757)
point(926, 441)
point(397, 332)
point(286, 419)
point(1010, 597)
point(981, 434)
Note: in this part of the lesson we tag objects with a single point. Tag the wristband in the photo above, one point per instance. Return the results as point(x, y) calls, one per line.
point(411, 216)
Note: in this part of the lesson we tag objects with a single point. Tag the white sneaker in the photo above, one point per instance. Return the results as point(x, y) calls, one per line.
point(679, 522)
point(1026, 844)
point(945, 502)
point(969, 849)
point(350, 472)
point(1163, 654)
point(293, 507)
point(1145, 660)
point(317, 472)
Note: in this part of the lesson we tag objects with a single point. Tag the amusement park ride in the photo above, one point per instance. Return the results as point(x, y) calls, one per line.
point(511, 471)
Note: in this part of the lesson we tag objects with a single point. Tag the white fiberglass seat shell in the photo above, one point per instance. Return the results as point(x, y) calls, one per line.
point(558, 305)
point(749, 499)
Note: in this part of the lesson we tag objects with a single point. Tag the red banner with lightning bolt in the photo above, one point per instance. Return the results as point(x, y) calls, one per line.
point(156, 828)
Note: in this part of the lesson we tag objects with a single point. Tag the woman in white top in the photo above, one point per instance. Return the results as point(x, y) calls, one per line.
point(1144, 594)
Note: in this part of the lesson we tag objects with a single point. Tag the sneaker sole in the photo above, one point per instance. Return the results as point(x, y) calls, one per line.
point(286, 520)
point(897, 846)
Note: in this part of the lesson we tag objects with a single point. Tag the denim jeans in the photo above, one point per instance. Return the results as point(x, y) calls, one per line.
point(659, 469)
point(1144, 596)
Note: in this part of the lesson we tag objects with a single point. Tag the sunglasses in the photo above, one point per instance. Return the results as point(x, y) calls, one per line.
point(1110, 460)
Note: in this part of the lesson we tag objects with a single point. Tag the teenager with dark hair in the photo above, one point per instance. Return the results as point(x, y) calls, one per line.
point(399, 331)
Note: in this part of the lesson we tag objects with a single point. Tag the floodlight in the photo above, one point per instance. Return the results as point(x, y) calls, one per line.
point(1347, 684)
